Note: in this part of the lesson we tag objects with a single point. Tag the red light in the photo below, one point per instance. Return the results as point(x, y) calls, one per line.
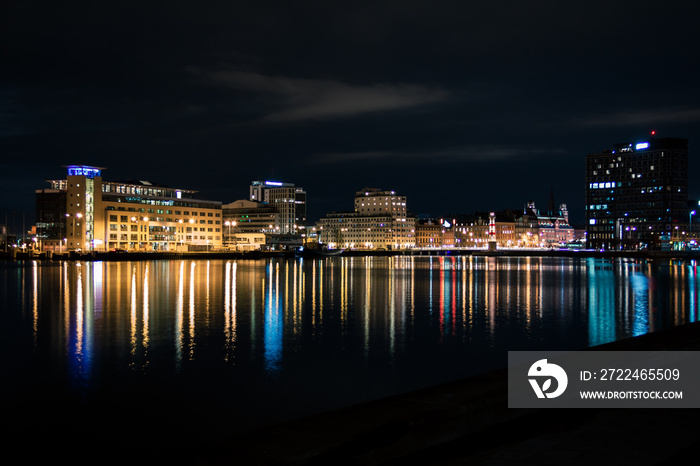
point(653, 133)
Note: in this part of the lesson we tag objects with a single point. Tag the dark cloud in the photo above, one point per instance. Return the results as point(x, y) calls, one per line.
point(303, 99)
point(476, 153)
point(647, 117)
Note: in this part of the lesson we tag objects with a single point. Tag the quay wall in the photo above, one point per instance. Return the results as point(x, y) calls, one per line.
point(137, 256)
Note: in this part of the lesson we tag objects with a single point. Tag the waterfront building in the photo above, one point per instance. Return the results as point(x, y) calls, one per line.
point(380, 221)
point(636, 194)
point(429, 234)
point(245, 216)
point(554, 229)
point(512, 228)
point(83, 212)
point(435, 233)
point(288, 201)
point(51, 219)
point(243, 242)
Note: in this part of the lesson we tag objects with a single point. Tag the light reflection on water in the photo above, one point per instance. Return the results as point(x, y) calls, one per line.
point(267, 339)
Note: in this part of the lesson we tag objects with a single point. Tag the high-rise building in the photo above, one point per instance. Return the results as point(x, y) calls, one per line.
point(288, 200)
point(83, 212)
point(636, 194)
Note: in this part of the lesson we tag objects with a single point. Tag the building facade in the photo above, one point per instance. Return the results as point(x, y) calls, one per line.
point(251, 217)
point(288, 201)
point(436, 233)
point(380, 221)
point(636, 194)
point(554, 229)
point(83, 212)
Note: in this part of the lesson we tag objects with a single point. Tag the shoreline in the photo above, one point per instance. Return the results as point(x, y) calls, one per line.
point(254, 255)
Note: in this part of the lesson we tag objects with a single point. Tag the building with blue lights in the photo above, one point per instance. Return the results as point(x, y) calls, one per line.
point(83, 212)
point(288, 200)
point(637, 194)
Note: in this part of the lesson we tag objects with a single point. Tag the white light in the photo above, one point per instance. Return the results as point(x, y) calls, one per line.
point(642, 145)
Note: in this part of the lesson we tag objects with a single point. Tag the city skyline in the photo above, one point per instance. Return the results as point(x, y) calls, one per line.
point(466, 105)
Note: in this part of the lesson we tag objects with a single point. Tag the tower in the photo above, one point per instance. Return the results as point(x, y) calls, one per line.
point(492, 231)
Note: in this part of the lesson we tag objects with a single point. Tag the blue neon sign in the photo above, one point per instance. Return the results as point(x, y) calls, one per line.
point(83, 170)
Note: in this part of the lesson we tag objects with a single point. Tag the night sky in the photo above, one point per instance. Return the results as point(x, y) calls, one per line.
point(461, 106)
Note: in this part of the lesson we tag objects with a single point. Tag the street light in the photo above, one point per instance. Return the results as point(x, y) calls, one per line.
point(690, 220)
point(690, 226)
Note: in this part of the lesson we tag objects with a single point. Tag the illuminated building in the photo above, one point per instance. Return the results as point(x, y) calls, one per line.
point(288, 201)
point(83, 212)
point(380, 221)
point(509, 228)
point(435, 233)
point(373, 201)
point(3, 237)
point(429, 234)
point(51, 218)
point(554, 229)
point(245, 222)
point(251, 217)
point(636, 194)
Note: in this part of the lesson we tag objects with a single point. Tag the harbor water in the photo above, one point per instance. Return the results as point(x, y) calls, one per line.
point(143, 356)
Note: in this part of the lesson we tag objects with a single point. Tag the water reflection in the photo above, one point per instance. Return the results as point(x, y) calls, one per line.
point(408, 321)
point(273, 319)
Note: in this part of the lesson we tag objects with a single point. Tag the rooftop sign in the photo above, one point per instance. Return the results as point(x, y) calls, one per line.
point(84, 170)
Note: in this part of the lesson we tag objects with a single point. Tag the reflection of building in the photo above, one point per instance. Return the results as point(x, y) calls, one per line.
point(380, 221)
point(636, 194)
point(287, 200)
point(84, 212)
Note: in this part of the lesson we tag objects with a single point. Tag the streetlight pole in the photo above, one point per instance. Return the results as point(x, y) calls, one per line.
point(690, 220)
point(690, 225)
